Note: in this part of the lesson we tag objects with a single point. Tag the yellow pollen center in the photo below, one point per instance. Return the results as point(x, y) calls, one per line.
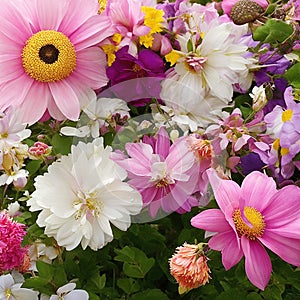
point(287, 115)
point(49, 56)
point(251, 224)
point(7, 293)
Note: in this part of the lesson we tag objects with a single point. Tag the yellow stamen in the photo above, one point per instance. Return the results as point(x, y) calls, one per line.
point(49, 56)
point(284, 151)
point(173, 57)
point(251, 224)
point(287, 115)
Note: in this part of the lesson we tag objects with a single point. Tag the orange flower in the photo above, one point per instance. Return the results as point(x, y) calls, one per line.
point(188, 266)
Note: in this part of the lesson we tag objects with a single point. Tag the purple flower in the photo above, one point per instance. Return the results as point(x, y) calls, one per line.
point(135, 78)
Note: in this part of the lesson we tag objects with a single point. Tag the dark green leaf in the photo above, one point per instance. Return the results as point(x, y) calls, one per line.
point(292, 75)
point(150, 295)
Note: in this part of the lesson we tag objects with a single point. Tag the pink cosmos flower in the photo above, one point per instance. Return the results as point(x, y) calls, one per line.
point(250, 217)
point(49, 58)
point(161, 173)
point(11, 236)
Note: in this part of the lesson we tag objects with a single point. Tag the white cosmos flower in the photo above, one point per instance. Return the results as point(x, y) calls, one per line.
point(210, 63)
point(81, 194)
point(9, 290)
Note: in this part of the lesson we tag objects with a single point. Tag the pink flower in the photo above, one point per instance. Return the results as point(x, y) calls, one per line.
point(52, 62)
point(11, 236)
point(189, 267)
point(161, 173)
point(250, 217)
point(39, 150)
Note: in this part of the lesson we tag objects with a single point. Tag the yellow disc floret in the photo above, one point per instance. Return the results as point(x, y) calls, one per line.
point(49, 56)
point(287, 115)
point(251, 224)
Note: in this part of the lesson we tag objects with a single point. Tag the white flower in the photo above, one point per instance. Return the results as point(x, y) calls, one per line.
point(67, 292)
point(9, 290)
point(211, 62)
point(99, 112)
point(81, 194)
point(259, 97)
point(12, 128)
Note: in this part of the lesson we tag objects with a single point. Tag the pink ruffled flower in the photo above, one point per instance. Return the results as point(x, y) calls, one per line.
point(39, 150)
point(161, 173)
point(250, 217)
point(11, 236)
point(52, 63)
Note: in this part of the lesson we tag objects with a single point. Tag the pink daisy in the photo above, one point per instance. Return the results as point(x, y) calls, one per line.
point(250, 217)
point(49, 61)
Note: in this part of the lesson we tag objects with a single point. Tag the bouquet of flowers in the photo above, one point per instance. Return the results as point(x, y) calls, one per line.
point(149, 150)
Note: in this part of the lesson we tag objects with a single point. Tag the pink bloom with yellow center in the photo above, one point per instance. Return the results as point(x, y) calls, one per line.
point(250, 217)
point(49, 58)
point(189, 267)
point(11, 236)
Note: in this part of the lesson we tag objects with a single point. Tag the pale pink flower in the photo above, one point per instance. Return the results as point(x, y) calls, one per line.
point(161, 173)
point(188, 266)
point(11, 236)
point(52, 63)
point(250, 217)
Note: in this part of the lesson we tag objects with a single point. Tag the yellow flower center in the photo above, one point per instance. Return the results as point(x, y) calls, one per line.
point(287, 115)
point(251, 224)
point(49, 56)
point(7, 293)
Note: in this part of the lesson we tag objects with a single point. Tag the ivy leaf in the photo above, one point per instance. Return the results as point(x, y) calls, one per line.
point(292, 75)
point(128, 285)
point(273, 32)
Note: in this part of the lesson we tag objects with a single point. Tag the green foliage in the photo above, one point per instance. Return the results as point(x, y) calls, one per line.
point(273, 32)
point(292, 75)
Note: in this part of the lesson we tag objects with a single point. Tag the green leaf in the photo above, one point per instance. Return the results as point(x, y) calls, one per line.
point(39, 284)
point(292, 75)
point(61, 144)
point(128, 285)
point(136, 263)
point(150, 295)
point(273, 32)
point(96, 283)
point(45, 270)
point(33, 166)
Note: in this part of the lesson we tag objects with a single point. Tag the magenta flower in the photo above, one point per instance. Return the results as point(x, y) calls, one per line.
point(161, 173)
point(250, 217)
point(11, 236)
point(49, 56)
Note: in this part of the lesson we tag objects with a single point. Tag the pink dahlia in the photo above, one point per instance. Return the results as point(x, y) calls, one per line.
point(11, 236)
point(49, 58)
point(250, 217)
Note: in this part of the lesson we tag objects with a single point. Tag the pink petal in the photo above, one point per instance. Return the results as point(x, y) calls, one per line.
point(211, 220)
point(255, 186)
point(92, 32)
point(35, 102)
point(162, 145)
point(227, 192)
point(141, 153)
point(229, 245)
point(90, 67)
point(48, 14)
point(78, 12)
point(14, 92)
point(10, 69)
point(65, 99)
point(283, 207)
point(286, 248)
point(257, 263)
point(54, 111)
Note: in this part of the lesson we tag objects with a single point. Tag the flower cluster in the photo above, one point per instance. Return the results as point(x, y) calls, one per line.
point(129, 127)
